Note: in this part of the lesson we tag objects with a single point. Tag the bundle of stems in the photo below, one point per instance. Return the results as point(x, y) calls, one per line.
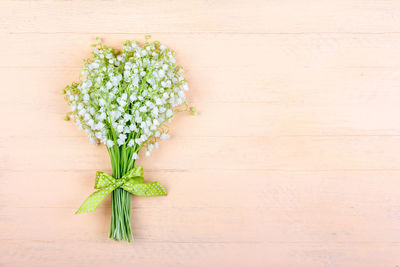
point(121, 162)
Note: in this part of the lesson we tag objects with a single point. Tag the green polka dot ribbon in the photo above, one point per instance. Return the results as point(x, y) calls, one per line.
point(133, 182)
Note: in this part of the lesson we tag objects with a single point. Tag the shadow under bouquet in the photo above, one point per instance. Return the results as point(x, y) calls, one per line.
point(123, 101)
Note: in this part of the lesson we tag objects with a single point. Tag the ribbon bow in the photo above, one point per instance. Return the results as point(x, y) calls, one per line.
point(133, 182)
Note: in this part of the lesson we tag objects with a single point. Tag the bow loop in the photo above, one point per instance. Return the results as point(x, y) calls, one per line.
point(103, 180)
point(133, 182)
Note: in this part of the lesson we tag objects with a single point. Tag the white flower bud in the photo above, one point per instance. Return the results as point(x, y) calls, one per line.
point(120, 128)
point(110, 143)
point(131, 143)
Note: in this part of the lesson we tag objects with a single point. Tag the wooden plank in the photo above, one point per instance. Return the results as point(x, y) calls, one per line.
point(226, 119)
point(341, 87)
point(320, 221)
point(22, 253)
point(193, 16)
point(286, 190)
point(237, 153)
point(256, 53)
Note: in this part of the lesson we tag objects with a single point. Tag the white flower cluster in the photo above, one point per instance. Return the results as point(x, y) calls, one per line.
point(127, 95)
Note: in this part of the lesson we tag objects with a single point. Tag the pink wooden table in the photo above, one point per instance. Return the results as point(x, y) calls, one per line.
point(294, 159)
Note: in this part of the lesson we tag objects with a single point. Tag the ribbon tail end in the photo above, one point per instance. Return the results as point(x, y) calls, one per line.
point(79, 212)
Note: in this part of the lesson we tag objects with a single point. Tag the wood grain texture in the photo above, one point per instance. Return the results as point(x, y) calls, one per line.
point(292, 161)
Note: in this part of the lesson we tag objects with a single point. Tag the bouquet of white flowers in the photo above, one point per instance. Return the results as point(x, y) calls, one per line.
point(124, 99)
